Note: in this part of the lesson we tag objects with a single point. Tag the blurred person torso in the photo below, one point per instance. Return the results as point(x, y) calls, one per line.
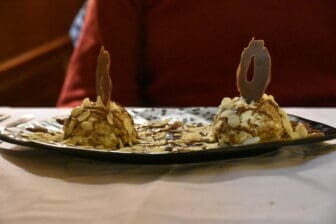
point(186, 52)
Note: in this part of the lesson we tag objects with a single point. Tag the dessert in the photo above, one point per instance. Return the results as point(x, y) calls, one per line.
point(254, 116)
point(104, 123)
point(153, 136)
point(250, 118)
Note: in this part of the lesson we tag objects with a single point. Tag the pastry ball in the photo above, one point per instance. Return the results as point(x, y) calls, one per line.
point(238, 122)
point(94, 124)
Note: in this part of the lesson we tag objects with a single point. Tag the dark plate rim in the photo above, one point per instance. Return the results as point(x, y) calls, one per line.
point(219, 153)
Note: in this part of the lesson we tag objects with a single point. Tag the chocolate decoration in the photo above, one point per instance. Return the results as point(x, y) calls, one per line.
point(103, 80)
point(253, 90)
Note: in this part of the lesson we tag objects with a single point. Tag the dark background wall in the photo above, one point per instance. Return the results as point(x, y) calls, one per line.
point(34, 50)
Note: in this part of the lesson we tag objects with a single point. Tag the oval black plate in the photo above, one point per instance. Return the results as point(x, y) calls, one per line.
point(203, 115)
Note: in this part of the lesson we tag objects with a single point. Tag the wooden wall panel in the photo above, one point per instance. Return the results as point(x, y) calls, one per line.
point(35, 78)
point(28, 23)
point(34, 50)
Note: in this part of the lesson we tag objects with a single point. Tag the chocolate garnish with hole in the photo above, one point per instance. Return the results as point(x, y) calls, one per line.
point(253, 90)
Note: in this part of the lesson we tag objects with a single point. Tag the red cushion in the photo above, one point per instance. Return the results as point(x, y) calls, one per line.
point(186, 52)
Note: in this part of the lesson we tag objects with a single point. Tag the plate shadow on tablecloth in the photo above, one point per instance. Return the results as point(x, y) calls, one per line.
point(70, 168)
point(286, 161)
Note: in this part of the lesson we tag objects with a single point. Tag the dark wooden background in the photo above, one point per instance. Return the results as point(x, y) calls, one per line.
point(34, 50)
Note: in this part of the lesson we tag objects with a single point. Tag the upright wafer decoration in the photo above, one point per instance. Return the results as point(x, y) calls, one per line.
point(253, 90)
point(103, 79)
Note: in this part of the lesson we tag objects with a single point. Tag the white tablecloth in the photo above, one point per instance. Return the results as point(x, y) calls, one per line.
point(295, 184)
